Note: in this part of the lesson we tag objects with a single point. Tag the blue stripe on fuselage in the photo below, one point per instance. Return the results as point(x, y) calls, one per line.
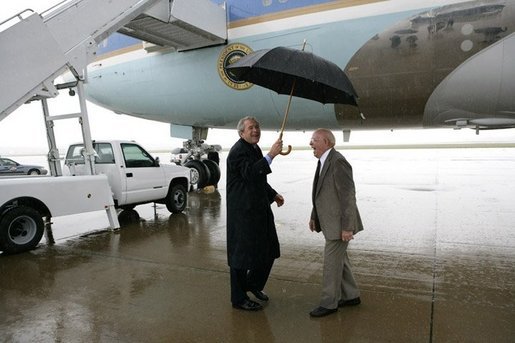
point(236, 9)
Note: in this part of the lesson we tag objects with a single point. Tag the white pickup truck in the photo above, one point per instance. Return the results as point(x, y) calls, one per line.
point(134, 175)
point(126, 176)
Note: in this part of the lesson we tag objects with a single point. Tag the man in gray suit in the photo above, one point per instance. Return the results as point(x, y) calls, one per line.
point(336, 214)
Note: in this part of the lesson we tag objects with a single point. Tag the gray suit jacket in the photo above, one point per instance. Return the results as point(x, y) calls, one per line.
point(335, 198)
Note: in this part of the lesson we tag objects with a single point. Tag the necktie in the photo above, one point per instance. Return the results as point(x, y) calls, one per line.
point(315, 182)
point(317, 174)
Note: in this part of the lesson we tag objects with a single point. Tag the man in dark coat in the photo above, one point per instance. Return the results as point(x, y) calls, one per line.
point(252, 243)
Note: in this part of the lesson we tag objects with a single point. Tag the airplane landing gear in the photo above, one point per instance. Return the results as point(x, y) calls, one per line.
point(201, 171)
point(203, 158)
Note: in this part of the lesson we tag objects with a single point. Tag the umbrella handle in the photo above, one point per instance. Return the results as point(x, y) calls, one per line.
point(284, 153)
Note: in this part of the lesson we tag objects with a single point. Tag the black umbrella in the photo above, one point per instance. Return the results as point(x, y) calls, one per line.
point(295, 72)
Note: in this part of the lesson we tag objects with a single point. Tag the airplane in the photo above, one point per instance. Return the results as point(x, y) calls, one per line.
point(413, 64)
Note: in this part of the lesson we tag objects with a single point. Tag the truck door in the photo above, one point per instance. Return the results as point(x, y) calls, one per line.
point(145, 179)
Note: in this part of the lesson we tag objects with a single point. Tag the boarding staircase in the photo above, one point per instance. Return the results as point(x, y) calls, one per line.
point(35, 49)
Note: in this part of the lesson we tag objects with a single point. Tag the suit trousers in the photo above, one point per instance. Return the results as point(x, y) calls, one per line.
point(243, 280)
point(338, 282)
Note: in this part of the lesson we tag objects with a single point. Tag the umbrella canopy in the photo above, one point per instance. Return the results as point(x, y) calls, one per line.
point(295, 72)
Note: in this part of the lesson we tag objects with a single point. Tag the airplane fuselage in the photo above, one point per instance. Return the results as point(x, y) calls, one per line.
point(412, 63)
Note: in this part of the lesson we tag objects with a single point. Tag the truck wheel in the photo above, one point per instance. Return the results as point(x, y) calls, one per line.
point(127, 217)
point(21, 229)
point(177, 199)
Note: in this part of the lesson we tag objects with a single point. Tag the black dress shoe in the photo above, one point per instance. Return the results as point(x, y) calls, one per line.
point(350, 302)
point(322, 311)
point(260, 295)
point(248, 305)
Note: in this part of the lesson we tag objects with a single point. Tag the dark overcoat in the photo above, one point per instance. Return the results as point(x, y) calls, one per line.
point(251, 236)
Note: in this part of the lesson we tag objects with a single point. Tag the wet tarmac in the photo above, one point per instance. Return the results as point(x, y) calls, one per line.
point(436, 262)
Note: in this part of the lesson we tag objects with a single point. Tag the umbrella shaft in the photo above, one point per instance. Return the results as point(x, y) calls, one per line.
point(287, 110)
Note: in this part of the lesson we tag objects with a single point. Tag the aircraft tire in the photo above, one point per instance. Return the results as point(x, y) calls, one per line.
point(214, 172)
point(21, 229)
point(202, 170)
point(214, 156)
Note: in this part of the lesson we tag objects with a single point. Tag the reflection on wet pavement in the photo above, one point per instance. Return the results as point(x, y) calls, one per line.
point(435, 262)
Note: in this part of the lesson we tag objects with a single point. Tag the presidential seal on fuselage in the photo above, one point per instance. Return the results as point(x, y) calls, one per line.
point(229, 55)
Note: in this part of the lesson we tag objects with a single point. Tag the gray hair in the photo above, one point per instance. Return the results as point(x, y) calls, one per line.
point(327, 134)
point(241, 124)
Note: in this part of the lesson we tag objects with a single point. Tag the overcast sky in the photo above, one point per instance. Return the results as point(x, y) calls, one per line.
point(24, 131)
